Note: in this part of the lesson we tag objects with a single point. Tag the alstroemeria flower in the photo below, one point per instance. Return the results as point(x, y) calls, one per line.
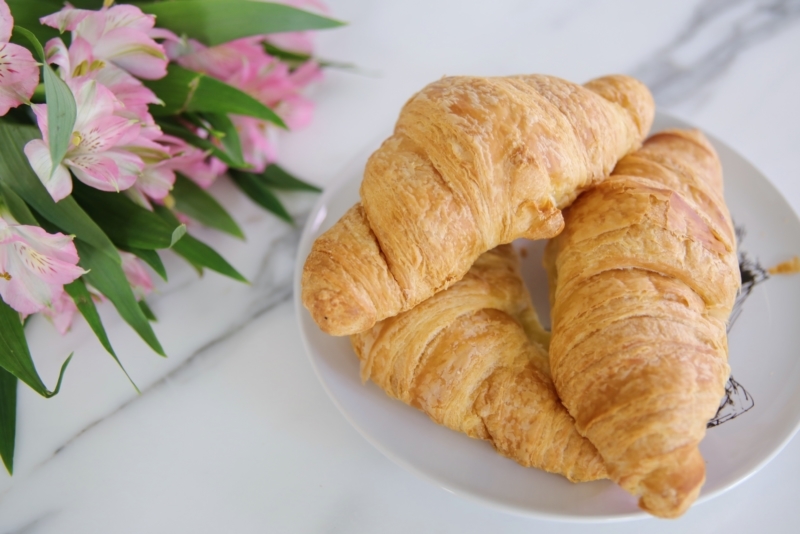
point(136, 274)
point(120, 34)
point(255, 136)
point(194, 163)
point(78, 62)
point(244, 64)
point(19, 73)
point(61, 312)
point(97, 154)
point(34, 266)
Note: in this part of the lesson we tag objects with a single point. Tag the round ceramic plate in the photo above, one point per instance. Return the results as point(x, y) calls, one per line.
point(757, 418)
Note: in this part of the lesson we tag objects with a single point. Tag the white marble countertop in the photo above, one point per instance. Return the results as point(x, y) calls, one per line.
point(233, 432)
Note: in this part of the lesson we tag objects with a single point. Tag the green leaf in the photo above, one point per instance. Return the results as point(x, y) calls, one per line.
point(295, 59)
point(277, 177)
point(198, 253)
point(107, 276)
point(18, 175)
point(83, 300)
point(15, 356)
point(61, 107)
point(218, 21)
point(27, 14)
point(224, 130)
point(8, 418)
point(183, 90)
point(19, 210)
point(171, 128)
point(125, 222)
point(147, 311)
point(193, 200)
point(151, 258)
point(258, 191)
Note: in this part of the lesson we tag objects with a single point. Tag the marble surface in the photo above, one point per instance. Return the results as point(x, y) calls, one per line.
point(232, 432)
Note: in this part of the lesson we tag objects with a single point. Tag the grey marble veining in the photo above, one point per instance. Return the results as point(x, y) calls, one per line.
point(717, 33)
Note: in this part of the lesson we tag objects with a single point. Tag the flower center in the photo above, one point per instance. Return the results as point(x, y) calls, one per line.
point(5, 276)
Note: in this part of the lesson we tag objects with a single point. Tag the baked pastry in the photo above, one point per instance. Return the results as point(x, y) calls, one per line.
point(643, 279)
point(463, 358)
point(473, 163)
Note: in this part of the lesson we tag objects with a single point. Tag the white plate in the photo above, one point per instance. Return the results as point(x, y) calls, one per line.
point(763, 344)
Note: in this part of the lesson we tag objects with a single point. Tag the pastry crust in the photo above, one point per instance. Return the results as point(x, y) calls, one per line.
point(642, 280)
point(473, 163)
point(468, 357)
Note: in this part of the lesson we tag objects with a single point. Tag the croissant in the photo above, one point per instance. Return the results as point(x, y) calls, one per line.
point(643, 279)
point(473, 163)
point(463, 358)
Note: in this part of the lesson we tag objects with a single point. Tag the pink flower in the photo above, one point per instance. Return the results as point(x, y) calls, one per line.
point(34, 266)
point(78, 62)
point(191, 161)
point(61, 312)
point(254, 135)
point(136, 274)
point(19, 73)
point(245, 65)
point(97, 155)
point(120, 34)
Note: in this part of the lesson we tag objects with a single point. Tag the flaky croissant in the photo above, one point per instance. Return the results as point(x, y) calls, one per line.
point(463, 358)
point(642, 280)
point(473, 163)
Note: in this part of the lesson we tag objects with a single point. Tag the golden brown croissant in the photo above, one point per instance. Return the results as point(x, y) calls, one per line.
point(473, 163)
point(643, 279)
point(463, 358)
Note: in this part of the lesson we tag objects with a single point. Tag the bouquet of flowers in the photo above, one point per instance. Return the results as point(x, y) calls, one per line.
point(114, 120)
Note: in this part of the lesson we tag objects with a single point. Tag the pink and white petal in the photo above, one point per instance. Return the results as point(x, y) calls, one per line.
point(296, 111)
point(137, 275)
point(50, 270)
point(40, 112)
point(305, 74)
point(26, 298)
point(67, 19)
point(6, 22)
point(56, 245)
point(94, 101)
point(61, 313)
point(127, 16)
point(19, 75)
point(57, 53)
point(104, 133)
point(254, 135)
point(59, 185)
point(129, 164)
point(156, 181)
point(133, 51)
point(95, 170)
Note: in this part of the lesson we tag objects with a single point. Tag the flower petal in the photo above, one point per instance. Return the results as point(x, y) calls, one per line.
point(137, 275)
point(112, 170)
point(19, 76)
point(67, 19)
point(59, 185)
point(6, 22)
point(127, 16)
point(133, 51)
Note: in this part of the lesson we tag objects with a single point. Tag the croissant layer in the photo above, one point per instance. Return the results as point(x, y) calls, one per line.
point(473, 163)
point(642, 281)
point(466, 358)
